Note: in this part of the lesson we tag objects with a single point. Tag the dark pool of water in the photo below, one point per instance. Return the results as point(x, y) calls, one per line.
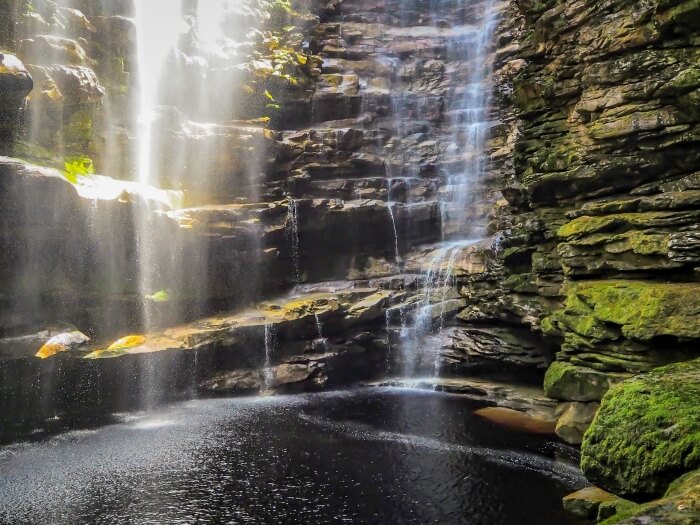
point(368, 456)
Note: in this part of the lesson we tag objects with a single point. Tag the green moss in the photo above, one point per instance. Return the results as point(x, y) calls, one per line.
point(621, 222)
point(568, 382)
point(679, 506)
point(640, 310)
point(646, 432)
point(78, 167)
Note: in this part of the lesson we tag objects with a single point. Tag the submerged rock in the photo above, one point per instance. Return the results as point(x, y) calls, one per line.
point(516, 420)
point(646, 432)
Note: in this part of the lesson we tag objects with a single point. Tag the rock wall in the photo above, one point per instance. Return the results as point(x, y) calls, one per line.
point(597, 243)
point(597, 232)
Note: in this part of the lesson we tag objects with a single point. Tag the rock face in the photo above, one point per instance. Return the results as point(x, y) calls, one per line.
point(15, 85)
point(595, 245)
point(646, 432)
point(334, 165)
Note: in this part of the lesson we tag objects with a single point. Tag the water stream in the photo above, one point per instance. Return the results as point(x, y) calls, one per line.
point(467, 110)
point(268, 372)
point(292, 232)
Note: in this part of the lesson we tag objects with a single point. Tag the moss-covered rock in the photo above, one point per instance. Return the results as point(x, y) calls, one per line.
point(679, 506)
point(586, 502)
point(646, 432)
point(642, 310)
point(577, 383)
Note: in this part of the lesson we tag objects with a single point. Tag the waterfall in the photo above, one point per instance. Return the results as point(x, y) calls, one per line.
point(268, 374)
point(159, 25)
point(319, 329)
point(292, 232)
point(390, 206)
point(467, 112)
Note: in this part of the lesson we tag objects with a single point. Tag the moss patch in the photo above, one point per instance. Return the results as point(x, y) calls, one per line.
point(568, 382)
point(646, 433)
point(679, 506)
point(638, 310)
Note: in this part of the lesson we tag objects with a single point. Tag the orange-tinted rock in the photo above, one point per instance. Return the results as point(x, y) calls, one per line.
point(515, 420)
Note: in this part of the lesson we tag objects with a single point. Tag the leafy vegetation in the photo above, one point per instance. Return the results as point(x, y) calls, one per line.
point(76, 167)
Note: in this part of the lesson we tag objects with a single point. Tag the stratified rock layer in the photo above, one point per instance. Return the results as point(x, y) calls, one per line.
point(597, 231)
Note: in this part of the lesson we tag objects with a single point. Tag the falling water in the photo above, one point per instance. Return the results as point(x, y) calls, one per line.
point(429, 314)
point(319, 329)
point(268, 374)
point(292, 231)
point(390, 207)
point(154, 47)
point(468, 111)
point(468, 114)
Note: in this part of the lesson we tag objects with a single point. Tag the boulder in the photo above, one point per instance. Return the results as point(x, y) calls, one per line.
point(679, 506)
point(586, 502)
point(646, 432)
point(577, 383)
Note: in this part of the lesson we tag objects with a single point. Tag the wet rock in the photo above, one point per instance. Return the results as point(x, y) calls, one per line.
point(486, 348)
point(516, 420)
point(15, 85)
point(586, 502)
point(575, 420)
point(235, 381)
point(27, 345)
point(522, 398)
point(63, 342)
point(48, 50)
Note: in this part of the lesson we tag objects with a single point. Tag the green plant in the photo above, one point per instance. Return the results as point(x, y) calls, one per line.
point(76, 167)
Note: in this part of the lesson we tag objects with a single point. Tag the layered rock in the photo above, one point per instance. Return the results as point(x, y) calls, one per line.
point(596, 244)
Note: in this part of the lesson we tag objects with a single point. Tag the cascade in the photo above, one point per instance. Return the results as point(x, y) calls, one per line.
point(319, 327)
point(268, 374)
point(154, 49)
point(292, 233)
point(467, 110)
point(390, 207)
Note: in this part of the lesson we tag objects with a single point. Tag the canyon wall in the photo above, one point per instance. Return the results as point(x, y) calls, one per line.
point(597, 161)
point(588, 210)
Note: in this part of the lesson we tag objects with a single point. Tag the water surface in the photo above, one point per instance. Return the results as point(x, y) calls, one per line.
point(368, 456)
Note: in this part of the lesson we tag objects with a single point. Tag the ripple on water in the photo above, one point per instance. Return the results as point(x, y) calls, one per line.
point(370, 456)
